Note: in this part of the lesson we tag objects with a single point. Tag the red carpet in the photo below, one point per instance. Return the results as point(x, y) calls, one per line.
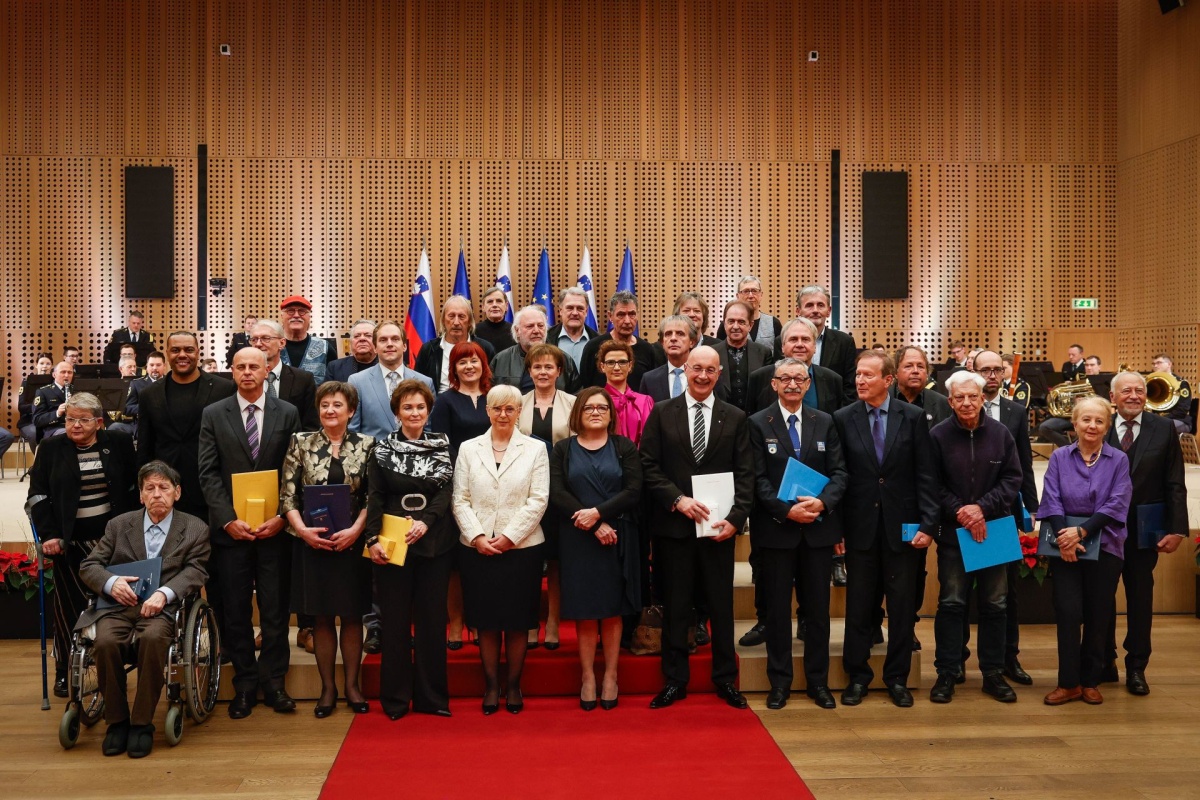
point(698, 748)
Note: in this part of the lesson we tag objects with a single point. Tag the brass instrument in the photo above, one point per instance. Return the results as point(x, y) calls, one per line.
point(1014, 380)
point(1162, 391)
point(1062, 398)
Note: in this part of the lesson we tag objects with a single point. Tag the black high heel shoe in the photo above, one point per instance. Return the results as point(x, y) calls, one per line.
point(358, 708)
point(491, 708)
point(587, 705)
point(321, 712)
point(515, 708)
point(608, 705)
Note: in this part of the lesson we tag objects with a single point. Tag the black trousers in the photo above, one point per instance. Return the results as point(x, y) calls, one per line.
point(866, 571)
point(1012, 625)
point(1085, 596)
point(1138, 575)
point(412, 666)
point(260, 570)
point(682, 565)
point(69, 598)
point(807, 568)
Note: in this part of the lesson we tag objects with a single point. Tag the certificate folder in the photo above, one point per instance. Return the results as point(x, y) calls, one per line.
point(148, 572)
point(1000, 546)
point(1151, 524)
point(255, 496)
point(335, 499)
point(715, 491)
point(391, 539)
point(1048, 541)
point(800, 480)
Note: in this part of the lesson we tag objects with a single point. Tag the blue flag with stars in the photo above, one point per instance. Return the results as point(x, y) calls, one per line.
point(543, 295)
point(625, 283)
point(462, 286)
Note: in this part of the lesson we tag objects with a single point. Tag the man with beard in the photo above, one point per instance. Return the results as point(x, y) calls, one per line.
point(303, 350)
point(740, 356)
point(529, 326)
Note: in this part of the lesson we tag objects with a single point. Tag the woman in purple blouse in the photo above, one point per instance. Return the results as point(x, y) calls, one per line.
point(1088, 480)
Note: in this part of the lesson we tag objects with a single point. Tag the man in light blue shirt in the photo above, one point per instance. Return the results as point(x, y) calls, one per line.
point(572, 333)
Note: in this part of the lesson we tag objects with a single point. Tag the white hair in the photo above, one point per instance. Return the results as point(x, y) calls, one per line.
point(962, 376)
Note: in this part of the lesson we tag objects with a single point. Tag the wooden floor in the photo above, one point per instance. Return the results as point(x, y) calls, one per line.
point(973, 748)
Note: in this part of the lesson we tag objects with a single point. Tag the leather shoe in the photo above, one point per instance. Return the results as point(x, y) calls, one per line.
point(60, 687)
point(1014, 672)
point(141, 741)
point(304, 639)
point(839, 572)
point(399, 713)
point(454, 645)
point(1091, 695)
point(995, 685)
point(702, 637)
point(668, 695)
point(777, 698)
point(822, 697)
point(754, 637)
point(241, 705)
point(358, 708)
point(279, 701)
point(961, 675)
point(1110, 674)
point(517, 707)
point(800, 630)
point(853, 694)
point(1135, 682)
point(1061, 696)
point(117, 739)
point(372, 646)
point(943, 689)
point(901, 696)
point(729, 693)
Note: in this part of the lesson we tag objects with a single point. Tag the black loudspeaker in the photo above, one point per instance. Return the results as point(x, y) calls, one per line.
point(885, 235)
point(150, 232)
point(1168, 6)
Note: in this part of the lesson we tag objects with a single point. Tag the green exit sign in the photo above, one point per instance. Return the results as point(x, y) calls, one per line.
point(1090, 303)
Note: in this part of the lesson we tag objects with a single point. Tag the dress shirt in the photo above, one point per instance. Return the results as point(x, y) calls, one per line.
point(573, 347)
point(992, 408)
point(819, 347)
point(443, 381)
point(707, 412)
point(399, 370)
point(154, 545)
point(260, 407)
point(1137, 429)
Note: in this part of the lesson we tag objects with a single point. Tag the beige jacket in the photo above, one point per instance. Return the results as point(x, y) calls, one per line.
point(560, 419)
point(508, 501)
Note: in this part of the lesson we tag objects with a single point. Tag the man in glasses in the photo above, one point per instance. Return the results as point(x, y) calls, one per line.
point(739, 355)
point(303, 350)
point(289, 384)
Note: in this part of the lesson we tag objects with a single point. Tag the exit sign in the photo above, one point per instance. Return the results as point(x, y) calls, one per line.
point(1090, 303)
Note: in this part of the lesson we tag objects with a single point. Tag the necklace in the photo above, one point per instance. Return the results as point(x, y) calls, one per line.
point(1089, 463)
point(499, 450)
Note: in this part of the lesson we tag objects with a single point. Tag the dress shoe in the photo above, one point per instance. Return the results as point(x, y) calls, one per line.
point(1091, 695)
point(668, 696)
point(901, 696)
point(372, 646)
point(1015, 673)
point(1109, 674)
point(1135, 682)
point(822, 697)
point(241, 705)
point(702, 637)
point(117, 739)
point(304, 639)
point(754, 637)
point(608, 705)
point(800, 629)
point(853, 694)
point(839, 572)
point(878, 637)
point(362, 707)
point(441, 712)
point(777, 698)
point(60, 687)
point(279, 701)
point(399, 713)
point(916, 644)
point(1061, 696)
point(323, 711)
point(961, 675)
point(943, 689)
point(258, 642)
point(729, 693)
point(587, 705)
point(490, 708)
point(995, 685)
point(141, 741)
point(517, 707)
point(454, 645)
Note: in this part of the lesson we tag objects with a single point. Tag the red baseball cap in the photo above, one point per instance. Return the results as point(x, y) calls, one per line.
point(295, 300)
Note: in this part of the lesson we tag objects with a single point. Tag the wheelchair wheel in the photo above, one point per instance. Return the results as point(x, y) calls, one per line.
point(85, 692)
point(68, 727)
point(202, 661)
point(174, 731)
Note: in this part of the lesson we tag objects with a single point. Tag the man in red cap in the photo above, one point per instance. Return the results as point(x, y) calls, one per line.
point(304, 351)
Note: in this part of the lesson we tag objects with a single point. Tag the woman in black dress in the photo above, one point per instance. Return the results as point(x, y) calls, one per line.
point(411, 475)
point(595, 487)
point(330, 578)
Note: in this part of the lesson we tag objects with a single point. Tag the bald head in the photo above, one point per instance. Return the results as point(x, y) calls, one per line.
point(249, 372)
point(703, 371)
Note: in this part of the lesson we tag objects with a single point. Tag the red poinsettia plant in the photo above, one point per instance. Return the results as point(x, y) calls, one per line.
point(1031, 562)
point(18, 573)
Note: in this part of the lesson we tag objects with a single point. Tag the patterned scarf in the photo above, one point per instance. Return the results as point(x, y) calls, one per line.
point(427, 458)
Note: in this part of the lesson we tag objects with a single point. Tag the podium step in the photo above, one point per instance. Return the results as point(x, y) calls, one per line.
point(743, 595)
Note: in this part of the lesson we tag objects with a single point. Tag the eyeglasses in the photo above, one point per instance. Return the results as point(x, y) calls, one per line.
point(699, 370)
point(749, 291)
point(504, 411)
point(622, 364)
point(796, 379)
point(595, 409)
point(78, 422)
point(263, 339)
point(990, 370)
point(296, 312)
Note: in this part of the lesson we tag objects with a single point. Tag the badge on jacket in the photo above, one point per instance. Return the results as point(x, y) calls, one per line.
point(772, 448)
point(820, 447)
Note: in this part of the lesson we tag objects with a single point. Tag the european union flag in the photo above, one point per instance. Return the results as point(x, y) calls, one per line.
point(462, 286)
point(625, 283)
point(543, 295)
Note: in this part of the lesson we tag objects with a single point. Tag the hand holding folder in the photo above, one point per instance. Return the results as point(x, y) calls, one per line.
point(800, 480)
point(393, 539)
point(1001, 545)
point(255, 496)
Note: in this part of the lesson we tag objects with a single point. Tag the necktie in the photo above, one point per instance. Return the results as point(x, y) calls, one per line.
point(155, 541)
point(134, 338)
point(252, 430)
point(987, 408)
point(677, 382)
point(877, 432)
point(795, 434)
point(393, 380)
point(271, 379)
point(698, 432)
point(1127, 438)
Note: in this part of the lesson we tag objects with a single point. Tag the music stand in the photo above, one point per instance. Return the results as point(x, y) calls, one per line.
point(939, 381)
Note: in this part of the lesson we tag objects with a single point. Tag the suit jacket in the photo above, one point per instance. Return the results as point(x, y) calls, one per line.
point(757, 355)
point(374, 415)
point(55, 477)
point(668, 464)
point(341, 369)
point(184, 556)
point(656, 383)
point(820, 449)
point(935, 405)
point(1156, 469)
point(826, 382)
point(1073, 371)
point(556, 331)
point(159, 437)
point(300, 389)
point(903, 489)
point(239, 341)
point(838, 352)
point(308, 459)
point(644, 359)
point(142, 348)
point(509, 367)
point(225, 451)
point(508, 500)
point(1015, 417)
point(132, 399)
point(46, 401)
point(560, 422)
point(429, 357)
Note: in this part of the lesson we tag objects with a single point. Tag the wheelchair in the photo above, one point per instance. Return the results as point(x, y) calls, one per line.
point(192, 672)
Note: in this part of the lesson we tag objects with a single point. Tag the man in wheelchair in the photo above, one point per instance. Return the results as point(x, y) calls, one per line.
point(182, 542)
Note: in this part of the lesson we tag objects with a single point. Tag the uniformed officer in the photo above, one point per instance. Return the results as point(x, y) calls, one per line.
point(1021, 395)
point(48, 408)
point(1180, 413)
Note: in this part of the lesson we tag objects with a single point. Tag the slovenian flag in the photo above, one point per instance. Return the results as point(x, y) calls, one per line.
point(462, 285)
point(585, 283)
point(625, 283)
point(419, 325)
point(504, 281)
point(543, 295)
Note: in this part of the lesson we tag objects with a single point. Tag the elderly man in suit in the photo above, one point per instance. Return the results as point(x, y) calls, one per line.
point(799, 341)
point(764, 328)
point(132, 334)
point(796, 537)
point(1156, 469)
point(241, 339)
point(374, 416)
point(1074, 367)
point(362, 353)
point(696, 434)
point(912, 380)
point(677, 336)
point(294, 386)
point(249, 432)
point(156, 531)
point(740, 357)
point(892, 482)
point(458, 325)
point(529, 328)
point(834, 349)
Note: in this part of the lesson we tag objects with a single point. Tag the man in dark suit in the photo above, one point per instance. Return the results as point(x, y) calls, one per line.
point(795, 538)
point(892, 483)
point(912, 380)
point(458, 325)
point(240, 340)
point(1156, 468)
point(835, 350)
point(799, 340)
point(156, 367)
point(182, 542)
point(249, 432)
point(572, 333)
point(49, 402)
point(292, 385)
point(691, 435)
point(623, 316)
point(1074, 367)
point(362, 353)
point(739, 356)
point(142, 341)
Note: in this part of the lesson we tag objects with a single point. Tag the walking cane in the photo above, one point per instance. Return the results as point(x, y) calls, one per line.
point(41, 570)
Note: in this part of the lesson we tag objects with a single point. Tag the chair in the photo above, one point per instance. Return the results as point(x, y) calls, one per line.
point(1191, 452)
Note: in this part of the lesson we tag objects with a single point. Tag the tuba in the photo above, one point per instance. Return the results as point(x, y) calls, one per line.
point(1162, 391)
point(1062, 398)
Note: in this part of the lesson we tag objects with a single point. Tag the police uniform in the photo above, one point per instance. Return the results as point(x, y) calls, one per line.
point(1021, 396)
point(1180, 414)
point(45, 410)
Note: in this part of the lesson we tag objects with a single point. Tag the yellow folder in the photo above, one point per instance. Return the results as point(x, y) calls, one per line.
point(392, 539)
point(255, 496)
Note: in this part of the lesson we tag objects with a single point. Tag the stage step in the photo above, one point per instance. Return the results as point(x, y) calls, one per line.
point(743, 595)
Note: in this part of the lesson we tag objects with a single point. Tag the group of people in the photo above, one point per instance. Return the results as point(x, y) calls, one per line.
point(566, 454)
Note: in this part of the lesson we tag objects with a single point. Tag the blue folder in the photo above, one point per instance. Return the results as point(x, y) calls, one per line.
point(1000, 546)
point(148, 572)
point(1151, 524)
point(1026, 521)
point(332, 499)
point(800, 480)
point(1048, 541)
point(909, 531)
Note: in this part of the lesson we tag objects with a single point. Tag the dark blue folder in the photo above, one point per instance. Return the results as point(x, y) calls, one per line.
point(334, 499)
point(1151, 524)
point(1048, 541)
point(1000, 546)
point(148, 572)
point(800, 480)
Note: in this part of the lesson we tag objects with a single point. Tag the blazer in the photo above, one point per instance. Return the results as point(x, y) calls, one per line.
point(508, 500)
point(307, 462)
point(225, 450)
point(374, 415)
point(556, 331)
point(1015, 417)
point(838, 353)
point(820, 449)
point(935, 405)
point(239, 341)
point(46, 401)
point(142, 348)
point(668, 464)
point(903, 489)
point(656, 384)
point(54, 478)
point(826, 382)
point(429, 357)
point(1072, 371)
point(758, 355)
point(390, 491)
point(1156, 469)
point(178, 445)
point(624, 502)
point(560, 419)
point(300, 389)
point(184, 555)
point(342, 368)
point(132, 398)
